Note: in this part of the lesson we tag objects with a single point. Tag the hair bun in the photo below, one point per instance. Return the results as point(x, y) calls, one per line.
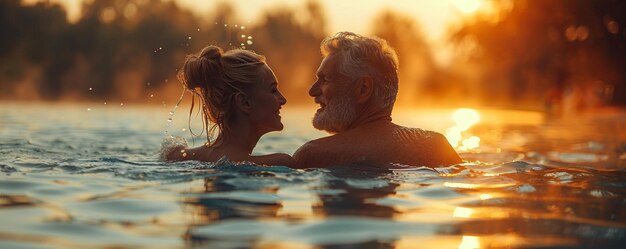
point(211, 53)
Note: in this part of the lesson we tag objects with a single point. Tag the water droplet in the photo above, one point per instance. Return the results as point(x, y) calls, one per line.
point(242, 44)
point(121, 104)
point(249, 42)
point(215, 22)
point(105, 103)
point(183, 129)
point(225, 25)
point(236, 25)
point(184, 154)
point(88, 109)
point(148, 83)
point(249, 37)
point(151, 95)
point(198, 30)
point(171, 113)
point(189, 38)
point(90, 89)
point(243, 27)
point(243, 36)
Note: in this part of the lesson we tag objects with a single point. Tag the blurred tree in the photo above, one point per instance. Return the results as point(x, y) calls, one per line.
point(131, 50)
point(421, 80)
point(30, 42)
point(128, 51)
point(290, 40)
point(532, 46)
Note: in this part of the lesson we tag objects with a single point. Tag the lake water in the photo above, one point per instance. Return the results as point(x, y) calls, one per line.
point(88, 176)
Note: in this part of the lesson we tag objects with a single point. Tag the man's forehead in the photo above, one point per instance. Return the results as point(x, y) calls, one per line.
point(329, 64)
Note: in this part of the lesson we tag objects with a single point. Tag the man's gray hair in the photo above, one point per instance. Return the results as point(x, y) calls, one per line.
point(366, 56)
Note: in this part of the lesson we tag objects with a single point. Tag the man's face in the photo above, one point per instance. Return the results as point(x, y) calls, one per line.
point(334, 93)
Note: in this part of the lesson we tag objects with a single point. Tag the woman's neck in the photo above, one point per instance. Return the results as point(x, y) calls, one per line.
point(239, 139)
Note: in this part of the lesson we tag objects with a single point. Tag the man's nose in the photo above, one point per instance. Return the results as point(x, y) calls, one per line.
point(314, 90)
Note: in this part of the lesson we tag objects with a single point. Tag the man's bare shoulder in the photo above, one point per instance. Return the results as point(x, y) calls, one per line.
point(403, 133)
point(313, 152)
point(423, 147)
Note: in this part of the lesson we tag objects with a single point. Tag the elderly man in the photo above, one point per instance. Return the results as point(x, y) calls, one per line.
point(356, 88)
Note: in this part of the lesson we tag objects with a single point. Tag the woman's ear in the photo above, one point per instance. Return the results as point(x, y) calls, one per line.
point(365, 89)
point(243, 102)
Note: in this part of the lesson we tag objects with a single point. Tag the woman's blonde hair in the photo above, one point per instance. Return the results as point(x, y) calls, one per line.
point(215, 77)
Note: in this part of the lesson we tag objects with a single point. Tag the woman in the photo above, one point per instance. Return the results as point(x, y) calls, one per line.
point(240, 102)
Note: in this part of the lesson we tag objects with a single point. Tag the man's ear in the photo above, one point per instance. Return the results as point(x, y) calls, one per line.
point(365, 89)
point(243, 102)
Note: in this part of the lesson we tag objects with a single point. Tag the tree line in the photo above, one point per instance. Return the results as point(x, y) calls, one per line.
point(131, 51)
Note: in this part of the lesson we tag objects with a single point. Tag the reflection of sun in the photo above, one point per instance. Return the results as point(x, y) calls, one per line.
point(464, 118)
point(467, 6)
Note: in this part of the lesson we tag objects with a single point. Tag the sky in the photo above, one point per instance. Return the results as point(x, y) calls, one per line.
point(434, 16)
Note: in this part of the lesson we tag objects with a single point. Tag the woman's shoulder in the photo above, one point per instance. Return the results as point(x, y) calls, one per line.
point(182, 153)
point(277, 159)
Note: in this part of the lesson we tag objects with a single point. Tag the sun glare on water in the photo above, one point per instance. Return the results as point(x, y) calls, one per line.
point(467, 6)
point(464, 119)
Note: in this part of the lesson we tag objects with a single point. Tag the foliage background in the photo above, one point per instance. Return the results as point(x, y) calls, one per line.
point(130, 51)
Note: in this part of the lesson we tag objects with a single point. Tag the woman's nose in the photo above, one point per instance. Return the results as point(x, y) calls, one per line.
point(281, 99)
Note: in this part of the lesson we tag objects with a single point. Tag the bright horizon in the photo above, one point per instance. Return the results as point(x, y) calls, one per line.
point(433, 17)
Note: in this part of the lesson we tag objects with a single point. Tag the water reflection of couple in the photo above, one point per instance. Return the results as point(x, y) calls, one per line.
point(356, 87)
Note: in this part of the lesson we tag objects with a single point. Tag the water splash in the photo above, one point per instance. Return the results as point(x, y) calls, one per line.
point(171, 113)
point(171, 144)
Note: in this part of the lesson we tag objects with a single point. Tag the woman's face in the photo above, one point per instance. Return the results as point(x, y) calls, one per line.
point(266, 101)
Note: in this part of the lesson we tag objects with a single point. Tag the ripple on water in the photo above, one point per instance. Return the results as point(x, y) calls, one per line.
point(578, 157)
point(25, 244)
point(86, 235)
point(7, 169)
point(9, 186)
point(437, 193)
point(122, 209)
point(246, 196)
point(332, 231)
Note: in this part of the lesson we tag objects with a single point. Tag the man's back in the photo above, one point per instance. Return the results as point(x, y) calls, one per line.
point(380, 143)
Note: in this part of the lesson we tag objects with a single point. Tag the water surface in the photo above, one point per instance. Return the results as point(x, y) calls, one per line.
point(87, 176)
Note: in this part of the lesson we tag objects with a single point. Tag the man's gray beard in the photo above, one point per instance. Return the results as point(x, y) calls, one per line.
point(336, 116)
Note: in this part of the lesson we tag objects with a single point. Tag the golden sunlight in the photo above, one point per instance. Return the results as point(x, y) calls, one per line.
point(467, 6)
point(464, 119)
point(462, 212)
point(470, 242)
